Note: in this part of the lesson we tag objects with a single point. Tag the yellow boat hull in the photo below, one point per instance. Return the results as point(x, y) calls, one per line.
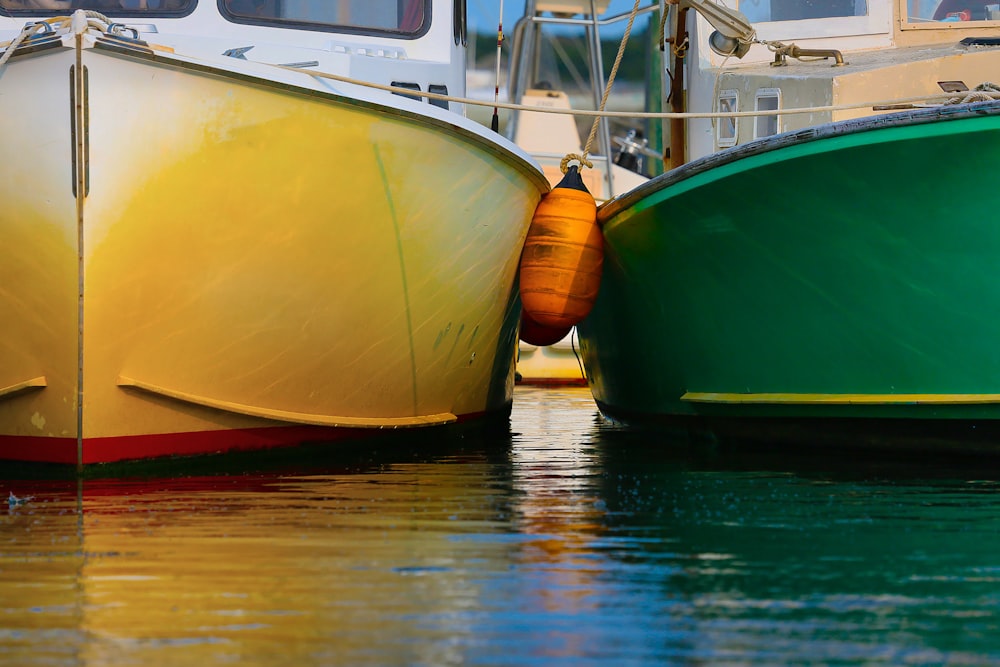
point(192, 262)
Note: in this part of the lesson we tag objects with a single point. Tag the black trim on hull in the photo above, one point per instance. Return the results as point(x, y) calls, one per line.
point(952, 436)
point(623, 202)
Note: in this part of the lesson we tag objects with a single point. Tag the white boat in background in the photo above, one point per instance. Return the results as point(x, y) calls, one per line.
point(223, 227)
point(553, 365)
point(549, 137)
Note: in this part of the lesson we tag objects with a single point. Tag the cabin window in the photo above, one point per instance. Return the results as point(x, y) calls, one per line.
point(409, 18)
point(950, 13)
point(726, 126)
point(767, 99)
point(109, 7)
point(799, 10)
point(787, 20)
point(405, 18)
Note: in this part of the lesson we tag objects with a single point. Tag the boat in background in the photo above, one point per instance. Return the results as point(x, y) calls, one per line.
point(553, 365)
point(244, 224)
point(619, 163)
point(820, 262)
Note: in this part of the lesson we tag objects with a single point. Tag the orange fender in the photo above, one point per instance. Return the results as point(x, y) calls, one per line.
point(563, 254)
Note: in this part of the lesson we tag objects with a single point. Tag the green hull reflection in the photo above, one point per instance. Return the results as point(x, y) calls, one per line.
point(563, 542)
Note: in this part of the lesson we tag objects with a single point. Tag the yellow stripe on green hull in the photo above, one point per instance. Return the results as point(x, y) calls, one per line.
point(842, 399)
point(719, 303)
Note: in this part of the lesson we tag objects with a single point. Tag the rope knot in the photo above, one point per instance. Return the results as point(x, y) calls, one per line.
point(584, 162)
point(984, 92)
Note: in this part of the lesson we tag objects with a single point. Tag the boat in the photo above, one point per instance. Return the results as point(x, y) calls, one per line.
point(817, 262)
point(556, 364)
point(247, 224)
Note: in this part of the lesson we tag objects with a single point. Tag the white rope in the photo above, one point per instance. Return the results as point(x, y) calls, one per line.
point(985, 91)
point(939, 97)
point(611, 81)
point(53, 24)
point(981, 93)
point(27, 32)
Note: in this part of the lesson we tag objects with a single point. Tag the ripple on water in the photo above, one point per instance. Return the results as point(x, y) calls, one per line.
point(566, 541)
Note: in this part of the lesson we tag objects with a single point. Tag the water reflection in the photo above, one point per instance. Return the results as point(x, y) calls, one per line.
point(560, 542)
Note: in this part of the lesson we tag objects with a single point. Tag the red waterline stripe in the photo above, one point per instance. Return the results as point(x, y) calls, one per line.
point(107, 450)
point(122, 448)
point(38, 449)
point(552, 382)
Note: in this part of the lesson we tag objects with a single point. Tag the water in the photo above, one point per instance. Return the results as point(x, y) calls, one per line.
point(564, 542)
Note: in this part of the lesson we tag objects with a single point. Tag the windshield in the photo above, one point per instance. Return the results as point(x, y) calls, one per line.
point(797, 10)
point(952, 11)
point(122, 7)
point(409, 17)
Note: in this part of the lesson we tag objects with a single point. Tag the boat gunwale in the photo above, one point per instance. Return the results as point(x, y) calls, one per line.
point(510, 155)
point(907, 118)
point(522, 164)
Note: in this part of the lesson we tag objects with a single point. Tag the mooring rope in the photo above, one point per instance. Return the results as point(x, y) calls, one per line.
point(582, 159)
point(940, 97)
point(102, 22)
point(26, 33)
point(982, 93)
point(985, 91)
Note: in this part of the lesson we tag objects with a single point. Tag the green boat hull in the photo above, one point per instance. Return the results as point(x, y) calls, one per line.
point(846, 273)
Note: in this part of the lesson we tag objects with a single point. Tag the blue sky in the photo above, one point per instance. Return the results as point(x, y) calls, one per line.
point(483, 14)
